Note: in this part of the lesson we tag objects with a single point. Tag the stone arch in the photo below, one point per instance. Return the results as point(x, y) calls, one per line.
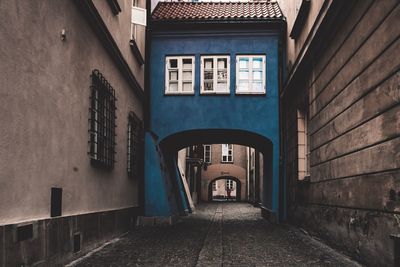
point(163, 191)
point(239, 187)
point(222, 171)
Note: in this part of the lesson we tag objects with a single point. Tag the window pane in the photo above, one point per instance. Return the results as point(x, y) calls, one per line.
point(257, 75)
point(173, 75)
point(257, 63)
point(173, 87)
point(243, 86)
point(187, 75)
point(187, 63)
point(222, 86)
point(173, 63)
point(222, 62)
point(208, 63)
point(243, 75)
point(222, 75)
point(208, 86)
point(187, 87)
point(243, 63)
point(208, 75)
point(257, 86)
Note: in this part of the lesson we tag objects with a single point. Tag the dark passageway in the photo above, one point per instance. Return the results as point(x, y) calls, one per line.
point(218, 234)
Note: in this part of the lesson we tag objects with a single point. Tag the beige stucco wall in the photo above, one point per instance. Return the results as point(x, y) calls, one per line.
point(239, 155)
point(289, 9)
point(120, 26)
point(44, 105)
point(222, 170)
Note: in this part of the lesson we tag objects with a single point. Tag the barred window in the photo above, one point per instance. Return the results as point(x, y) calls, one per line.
point(135, 146)
point(102, 122)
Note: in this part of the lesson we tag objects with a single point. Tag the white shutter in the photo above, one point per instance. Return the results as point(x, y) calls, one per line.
point(139, 16)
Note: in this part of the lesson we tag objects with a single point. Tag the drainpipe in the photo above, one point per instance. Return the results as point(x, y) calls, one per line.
point(282, 157)
point(146, 104)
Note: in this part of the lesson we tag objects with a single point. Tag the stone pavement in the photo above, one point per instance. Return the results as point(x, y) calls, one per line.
point(221, 234)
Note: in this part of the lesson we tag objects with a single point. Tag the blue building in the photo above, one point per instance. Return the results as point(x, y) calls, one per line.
point(215, 76)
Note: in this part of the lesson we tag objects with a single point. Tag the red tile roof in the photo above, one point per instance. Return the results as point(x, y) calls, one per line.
point(195, 11)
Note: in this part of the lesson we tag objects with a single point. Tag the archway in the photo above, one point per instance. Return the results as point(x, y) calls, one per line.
point(165, 195)
point(238, 187)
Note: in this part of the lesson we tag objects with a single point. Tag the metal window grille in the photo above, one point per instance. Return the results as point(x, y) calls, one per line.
point(102, 122)
point(135, 146)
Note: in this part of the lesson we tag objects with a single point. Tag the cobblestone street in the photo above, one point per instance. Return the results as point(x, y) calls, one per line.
point(223, 234)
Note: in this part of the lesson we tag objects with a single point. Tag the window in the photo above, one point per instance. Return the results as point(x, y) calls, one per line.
point(207, 153)
point(214, 186)
point(227, 153)
point(250, 74)
point(138, 18)
point(303, 145)
point(102, 122)
point(252, 159)
point(179, 75)
point(215, 75)
point(229, 184)
point(135, 146)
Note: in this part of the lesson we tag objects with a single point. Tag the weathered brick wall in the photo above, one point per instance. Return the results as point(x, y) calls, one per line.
point(353, 95)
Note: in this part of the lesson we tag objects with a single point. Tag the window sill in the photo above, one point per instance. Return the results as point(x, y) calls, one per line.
point(215, 93)
point(227, 162)
point(250, 93)
point(179, 93)
point(136, 51)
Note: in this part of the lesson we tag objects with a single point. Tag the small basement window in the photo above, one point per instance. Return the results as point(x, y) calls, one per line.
point(179, 75)
point(24, 232)
point(250, 74)
point(77, 242)
point(215, 75)
point(102, 122)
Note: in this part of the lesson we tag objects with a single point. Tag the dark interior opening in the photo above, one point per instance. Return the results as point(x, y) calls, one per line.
point(24, 232)
point(56, 201)
point(77, 242)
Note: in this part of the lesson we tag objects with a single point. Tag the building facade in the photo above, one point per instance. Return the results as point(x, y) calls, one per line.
point(224, 163)
point(341, 124)
point(72, 103)
point(209, 84)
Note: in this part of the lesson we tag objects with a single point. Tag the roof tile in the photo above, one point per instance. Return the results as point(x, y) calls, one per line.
point(191, 11)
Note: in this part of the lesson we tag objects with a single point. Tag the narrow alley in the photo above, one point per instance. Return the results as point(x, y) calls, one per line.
point(218, 234)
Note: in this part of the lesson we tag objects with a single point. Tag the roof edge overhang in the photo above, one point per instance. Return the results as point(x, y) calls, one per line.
point(272, 23)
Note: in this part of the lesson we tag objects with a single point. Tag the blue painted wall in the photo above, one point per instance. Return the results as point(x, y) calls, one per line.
point(173, 114)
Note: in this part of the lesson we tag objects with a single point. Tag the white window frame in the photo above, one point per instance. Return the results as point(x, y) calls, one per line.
point(303, 145)
point(250, 70)
point(180, 76)
point(205, 152)
point(229, 148)
point(229, 184)
point(134, 21)
point(215, 74)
